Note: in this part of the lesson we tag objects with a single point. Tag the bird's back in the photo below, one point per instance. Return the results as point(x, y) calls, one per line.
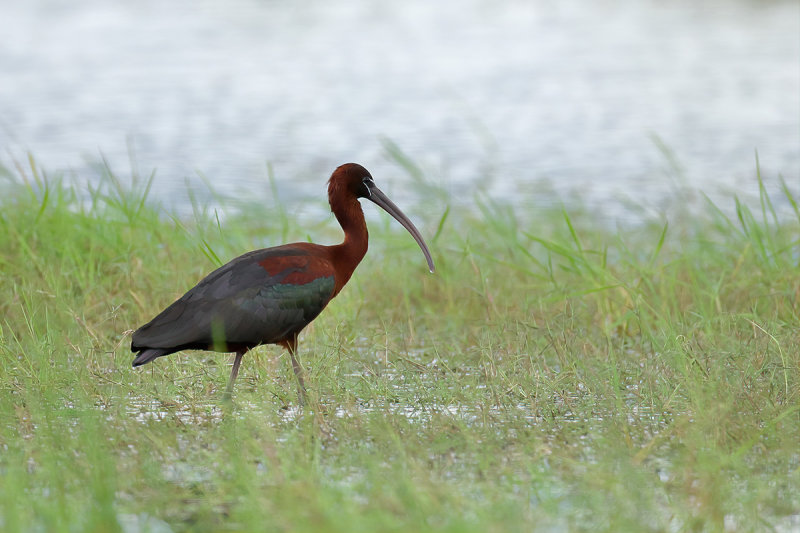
point(265, 296)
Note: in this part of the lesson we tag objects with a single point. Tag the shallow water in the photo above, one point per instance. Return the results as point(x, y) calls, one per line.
point(565, 93)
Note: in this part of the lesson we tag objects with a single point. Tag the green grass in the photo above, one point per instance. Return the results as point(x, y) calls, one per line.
point(553, 375)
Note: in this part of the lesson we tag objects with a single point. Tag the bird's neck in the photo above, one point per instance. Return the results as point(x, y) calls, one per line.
point(356, 238)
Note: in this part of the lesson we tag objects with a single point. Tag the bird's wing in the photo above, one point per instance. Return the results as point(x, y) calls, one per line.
point(261, 297)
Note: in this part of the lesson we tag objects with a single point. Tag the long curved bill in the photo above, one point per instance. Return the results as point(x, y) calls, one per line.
point(380, 199)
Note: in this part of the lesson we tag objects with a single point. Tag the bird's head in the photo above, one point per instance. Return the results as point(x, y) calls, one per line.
point(351, 181)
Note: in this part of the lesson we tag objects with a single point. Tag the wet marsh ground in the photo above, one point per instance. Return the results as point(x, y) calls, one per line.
point(553, 375)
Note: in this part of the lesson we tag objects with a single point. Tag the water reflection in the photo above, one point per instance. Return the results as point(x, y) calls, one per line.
point(569, 92)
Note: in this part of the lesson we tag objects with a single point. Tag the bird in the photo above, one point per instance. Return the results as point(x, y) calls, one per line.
point(268, 296)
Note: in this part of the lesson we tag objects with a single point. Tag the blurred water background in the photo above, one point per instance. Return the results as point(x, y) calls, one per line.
point(616, 103)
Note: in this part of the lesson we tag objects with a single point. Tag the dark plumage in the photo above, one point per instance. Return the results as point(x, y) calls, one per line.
point(268, 296)
point(242, 304)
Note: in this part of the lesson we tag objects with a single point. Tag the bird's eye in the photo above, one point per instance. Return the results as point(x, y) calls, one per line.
point(367, 184)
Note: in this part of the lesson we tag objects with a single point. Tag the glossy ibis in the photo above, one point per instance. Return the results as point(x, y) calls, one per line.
point(268, 296)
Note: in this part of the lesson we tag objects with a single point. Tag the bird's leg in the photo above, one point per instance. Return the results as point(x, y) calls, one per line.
point(291, 345)
point(234, 372)
point(301, 387)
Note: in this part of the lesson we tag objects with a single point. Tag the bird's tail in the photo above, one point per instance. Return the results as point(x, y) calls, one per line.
point(148, 354)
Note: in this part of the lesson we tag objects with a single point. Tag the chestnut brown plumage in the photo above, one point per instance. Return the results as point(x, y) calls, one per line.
point(268, 296)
